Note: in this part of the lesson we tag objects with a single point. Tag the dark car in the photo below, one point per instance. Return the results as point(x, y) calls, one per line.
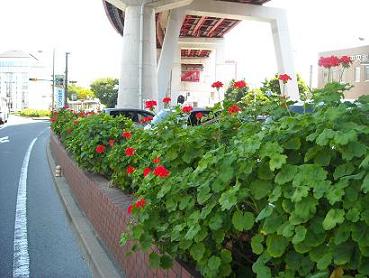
point(136, 115)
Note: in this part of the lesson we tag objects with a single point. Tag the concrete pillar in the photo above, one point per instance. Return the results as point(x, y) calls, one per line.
point(138, 77)
point(284, 55)
point(176, 83)
point(169, 52)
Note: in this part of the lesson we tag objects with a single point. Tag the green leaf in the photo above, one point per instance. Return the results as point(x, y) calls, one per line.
point(343, 138)
point(324, 261)
point(216, 221)
point(365, 184)
point(276, 161)
point(300, 233)
point(333, 217)
point(276, 245)
point(197, 251)
point(228, 199)
point(203, 194)
point(342, 253)
point(293, 144)
point(264, 213)
point(325, 137)
point(343, 170)
point(286, 174)
point(257, 244)
point(214, 263)
point(300, 192)
point(243, 221)
point(123, 239)
point(154, 260)
point(260, 188)
point(226, 255)
point(166, 262)
point(192, 232)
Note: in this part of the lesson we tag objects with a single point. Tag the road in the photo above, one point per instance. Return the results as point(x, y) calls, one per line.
point(36, 237)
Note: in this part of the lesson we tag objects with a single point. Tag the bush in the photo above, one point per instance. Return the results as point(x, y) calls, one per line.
point(28, 112)
point(243, 198)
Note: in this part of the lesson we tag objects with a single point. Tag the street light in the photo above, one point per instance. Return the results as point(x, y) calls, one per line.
point(66, 78)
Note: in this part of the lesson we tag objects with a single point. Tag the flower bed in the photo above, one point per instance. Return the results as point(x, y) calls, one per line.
point(242, 198)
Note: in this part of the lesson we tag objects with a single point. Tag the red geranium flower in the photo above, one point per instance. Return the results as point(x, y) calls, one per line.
point(217, 85)
point(329, 62)
point(127, 134)
point(156, 160)
point(130, 151)
point(146, 119)
point(239, 84)
point(167, 100)
point(140, 203)
point(199, 116)
point(130, 169)
point(111, 142)
point(161, 171)
point(129, 209)
point(187, 109)
point(53, 120)
point(284, 78)
point(234, 109)
point(100, 149)
point(150, 104)
point(345, 61)
point(146, 171)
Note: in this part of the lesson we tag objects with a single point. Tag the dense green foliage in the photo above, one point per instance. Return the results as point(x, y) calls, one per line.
point(244, 198)
point(80, 92)
point(106, 89)
point(28, 112)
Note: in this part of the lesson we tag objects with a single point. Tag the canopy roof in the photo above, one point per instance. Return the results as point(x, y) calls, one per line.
point(193, 25)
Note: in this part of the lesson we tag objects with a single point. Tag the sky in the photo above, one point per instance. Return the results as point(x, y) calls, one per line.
point(82, 28)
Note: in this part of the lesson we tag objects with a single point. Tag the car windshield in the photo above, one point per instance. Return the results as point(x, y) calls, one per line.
point(160, 116)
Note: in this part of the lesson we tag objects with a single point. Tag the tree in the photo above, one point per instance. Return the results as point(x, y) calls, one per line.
point(106, 89)
point(272, 85)
point(80, 92)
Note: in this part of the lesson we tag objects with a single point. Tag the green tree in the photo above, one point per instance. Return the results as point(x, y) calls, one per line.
point(272, 85)
point(106, 90)
point(80, 92)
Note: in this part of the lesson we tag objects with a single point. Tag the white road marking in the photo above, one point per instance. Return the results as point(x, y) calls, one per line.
point(21, 256)
point(4, 139)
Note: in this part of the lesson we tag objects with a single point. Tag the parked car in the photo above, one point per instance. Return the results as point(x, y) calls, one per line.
point(3, 116)
point(191, 119)
point(136, 115)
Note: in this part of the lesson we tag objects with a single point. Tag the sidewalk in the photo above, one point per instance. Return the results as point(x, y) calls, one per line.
point(99, 261)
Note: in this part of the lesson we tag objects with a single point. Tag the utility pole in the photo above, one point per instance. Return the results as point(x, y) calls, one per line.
point(53, 84)
point(66, 78)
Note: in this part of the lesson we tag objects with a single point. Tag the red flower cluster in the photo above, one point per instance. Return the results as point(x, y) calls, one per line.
point(199, 115)
point(150, 104)
point(146, 119)
point(111, 142)
point(217, 85)
point(167, 100)
point(130, 169)
point(284, 78)
point(100, 149)
point(146, 171)
point(156, 160)
point(234, 109)
point(130, 151)
point(239, 84)
point(334, 61)
point(127, 134)
point(187, 109)
point(139, 204)
point(161, 171)
point(53, 119)
point(75, 122)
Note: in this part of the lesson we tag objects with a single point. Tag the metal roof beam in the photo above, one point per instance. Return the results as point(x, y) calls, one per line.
point(195, 31)
point(117, 3)
point(216, 25)
point(163, 5)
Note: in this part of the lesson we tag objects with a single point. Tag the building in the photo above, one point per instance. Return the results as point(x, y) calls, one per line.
point(176, 47)
point(357, 74)
point(16, 88)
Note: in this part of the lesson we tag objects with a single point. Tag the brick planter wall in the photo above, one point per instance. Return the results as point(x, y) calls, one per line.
point(106, 209)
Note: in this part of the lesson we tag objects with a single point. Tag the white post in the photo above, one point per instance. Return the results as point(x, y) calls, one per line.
point(284, 55)
point(176, 76)
point(138, 78)
point(168, 53)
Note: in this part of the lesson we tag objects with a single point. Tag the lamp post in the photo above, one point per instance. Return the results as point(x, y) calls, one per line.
point(66, 78)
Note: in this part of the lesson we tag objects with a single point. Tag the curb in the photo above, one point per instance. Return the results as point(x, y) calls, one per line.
point(97, 258)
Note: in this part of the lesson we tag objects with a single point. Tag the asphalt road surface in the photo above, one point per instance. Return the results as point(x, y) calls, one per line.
point(36, 237)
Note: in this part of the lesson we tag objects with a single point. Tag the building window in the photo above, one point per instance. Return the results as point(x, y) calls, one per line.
point(357, 74)
point(366, 72)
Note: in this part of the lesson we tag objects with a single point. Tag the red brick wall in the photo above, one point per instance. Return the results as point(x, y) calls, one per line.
point(106, 208)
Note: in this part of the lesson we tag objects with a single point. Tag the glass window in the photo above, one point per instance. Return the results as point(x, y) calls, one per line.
point(357, 74)
point(366, 72)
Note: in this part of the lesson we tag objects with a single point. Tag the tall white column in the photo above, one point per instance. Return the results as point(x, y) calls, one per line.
point(284, 55)
point(138, 78)
point(176, 83)
point(169, 51)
